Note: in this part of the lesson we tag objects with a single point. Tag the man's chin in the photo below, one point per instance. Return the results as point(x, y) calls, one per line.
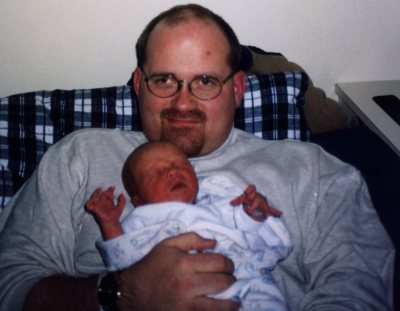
point(190, 141)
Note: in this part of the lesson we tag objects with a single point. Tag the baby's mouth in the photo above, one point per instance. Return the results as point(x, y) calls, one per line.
point(177, 186)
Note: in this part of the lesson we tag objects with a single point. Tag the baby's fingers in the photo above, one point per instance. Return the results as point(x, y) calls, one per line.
point(109, 193)
point(237, 201)
point(94, 198)
point(96, 194)
point(251, 192)
point(274, 212)
point(267, 209)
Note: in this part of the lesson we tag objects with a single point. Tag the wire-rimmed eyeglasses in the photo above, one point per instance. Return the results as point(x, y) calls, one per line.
point(203, 87)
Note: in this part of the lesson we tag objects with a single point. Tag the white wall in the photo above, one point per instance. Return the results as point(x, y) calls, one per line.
point(47, 44)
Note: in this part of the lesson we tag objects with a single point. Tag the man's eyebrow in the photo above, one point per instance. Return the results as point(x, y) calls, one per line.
point(210, 74)
point(200, 74)
point(161, 73)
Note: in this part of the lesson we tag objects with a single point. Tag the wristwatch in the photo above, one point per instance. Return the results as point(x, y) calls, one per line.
point(108, 291)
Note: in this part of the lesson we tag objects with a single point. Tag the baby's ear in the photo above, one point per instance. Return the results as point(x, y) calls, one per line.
point(136, 201)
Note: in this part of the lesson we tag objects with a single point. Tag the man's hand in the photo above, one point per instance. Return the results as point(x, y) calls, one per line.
point(255, 204)
point(169, 278)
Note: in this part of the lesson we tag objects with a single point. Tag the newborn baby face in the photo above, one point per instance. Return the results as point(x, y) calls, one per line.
point(167, 175)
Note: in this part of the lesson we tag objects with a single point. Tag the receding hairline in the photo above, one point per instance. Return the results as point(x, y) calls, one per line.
point(189, 17)
point(183, 13)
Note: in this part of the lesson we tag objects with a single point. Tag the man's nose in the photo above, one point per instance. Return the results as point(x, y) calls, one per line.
point(184, 100)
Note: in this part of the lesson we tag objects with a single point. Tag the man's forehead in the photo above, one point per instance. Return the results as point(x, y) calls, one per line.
point(191, 41)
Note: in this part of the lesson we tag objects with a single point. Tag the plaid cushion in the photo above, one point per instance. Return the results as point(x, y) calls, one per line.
point(31, 122)
point(272, 106)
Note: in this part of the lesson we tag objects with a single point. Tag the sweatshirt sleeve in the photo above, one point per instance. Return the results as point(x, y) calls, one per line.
point(38, 237)
point(46, 230)
point(347, 257)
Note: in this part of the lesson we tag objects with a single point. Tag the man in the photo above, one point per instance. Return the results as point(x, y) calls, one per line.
point(188, 86)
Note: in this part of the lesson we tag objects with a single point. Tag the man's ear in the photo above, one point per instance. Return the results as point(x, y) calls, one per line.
point(136, 77)
point(136, 201)
point(239, 85)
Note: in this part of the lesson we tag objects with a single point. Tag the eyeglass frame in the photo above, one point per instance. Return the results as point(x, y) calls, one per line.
point(188, 82)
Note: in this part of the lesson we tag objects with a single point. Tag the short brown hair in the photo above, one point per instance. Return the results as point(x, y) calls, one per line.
point(181, 13)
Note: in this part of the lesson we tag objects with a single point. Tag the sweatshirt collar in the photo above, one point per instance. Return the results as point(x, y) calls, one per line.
point(231, 139)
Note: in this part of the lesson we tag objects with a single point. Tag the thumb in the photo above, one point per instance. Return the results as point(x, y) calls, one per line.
point(121, 201)
point(190, 241)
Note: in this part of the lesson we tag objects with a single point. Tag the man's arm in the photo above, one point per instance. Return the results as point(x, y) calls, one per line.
point(172, 279)
point(168, 278)
point(348, 257)
point(59, 292)
point(48, 235)
point(342, 258)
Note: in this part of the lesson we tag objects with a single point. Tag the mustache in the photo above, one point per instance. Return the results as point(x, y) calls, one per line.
point(194, 115)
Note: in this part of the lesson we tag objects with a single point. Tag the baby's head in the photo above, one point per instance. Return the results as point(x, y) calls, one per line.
point(159, 172)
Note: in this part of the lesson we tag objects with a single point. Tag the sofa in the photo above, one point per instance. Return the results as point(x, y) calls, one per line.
point(280, 102)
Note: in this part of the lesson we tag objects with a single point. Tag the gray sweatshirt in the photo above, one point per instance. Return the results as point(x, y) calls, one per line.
point(342, 257)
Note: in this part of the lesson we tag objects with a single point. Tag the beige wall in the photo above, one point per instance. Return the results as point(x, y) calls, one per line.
point(47, 44)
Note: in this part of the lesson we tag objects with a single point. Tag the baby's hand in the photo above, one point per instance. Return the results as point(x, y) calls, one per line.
point(101, 205)
point(255, 204)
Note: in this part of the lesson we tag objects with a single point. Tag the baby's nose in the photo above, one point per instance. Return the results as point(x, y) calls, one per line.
point(172, 172)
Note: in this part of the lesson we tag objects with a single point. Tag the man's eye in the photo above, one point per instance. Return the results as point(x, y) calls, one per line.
point(162, 80)
point(207, 81)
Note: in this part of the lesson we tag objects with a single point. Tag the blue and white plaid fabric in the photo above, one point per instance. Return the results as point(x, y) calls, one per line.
point(31, 122)
point(272, 106)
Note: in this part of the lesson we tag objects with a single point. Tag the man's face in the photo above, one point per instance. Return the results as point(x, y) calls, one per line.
point(188, 50)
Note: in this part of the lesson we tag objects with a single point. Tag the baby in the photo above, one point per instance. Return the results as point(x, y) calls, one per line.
point(159, 178)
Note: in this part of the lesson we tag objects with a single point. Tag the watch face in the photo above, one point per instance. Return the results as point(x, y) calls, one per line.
point(108, 291)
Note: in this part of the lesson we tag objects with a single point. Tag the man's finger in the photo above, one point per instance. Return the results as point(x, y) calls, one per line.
point(190, 241)
point(205, 284)
point(212, 263)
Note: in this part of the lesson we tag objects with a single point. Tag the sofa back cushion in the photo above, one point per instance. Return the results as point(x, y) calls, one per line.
point(272, 108)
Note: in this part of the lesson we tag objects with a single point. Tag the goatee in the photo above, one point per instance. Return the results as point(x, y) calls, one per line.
point(189, 139)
